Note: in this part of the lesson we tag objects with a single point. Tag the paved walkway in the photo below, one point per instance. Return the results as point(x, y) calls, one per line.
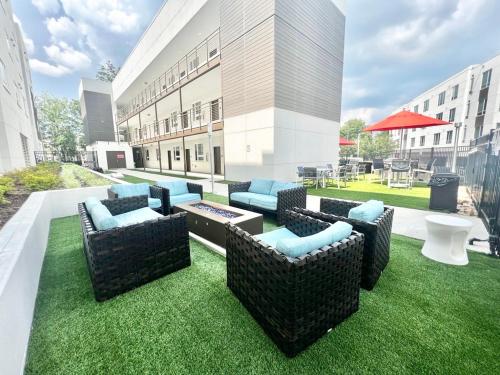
point(407, 221)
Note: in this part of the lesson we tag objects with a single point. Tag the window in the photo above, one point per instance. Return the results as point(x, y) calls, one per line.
point(467, 110)
point(177, 153)
point(486, 79)
point(26, 151)
point(147, 154)
point(426, 105)
point(449, 137)
point(441, 98)
point(439, 116)
point(167, 125)
point(185, 120)
point(173, 117)
point(437, 139)
point(412, 142)
point(197, 111)
point(198, 151)
point(451, 116)
point(454, 92)
point(481, 109)
point(415, 109)
point(464, 133)
point(422, 140)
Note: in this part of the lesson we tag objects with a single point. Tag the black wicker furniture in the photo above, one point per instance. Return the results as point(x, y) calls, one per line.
point(178, 192)
point(123, 258)
point(377, 235)
point(285, 200)
point(153, 194)
point(295, 300)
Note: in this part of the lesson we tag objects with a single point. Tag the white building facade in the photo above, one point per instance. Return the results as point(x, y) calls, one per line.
point(19, 137)
point(265, 76)
point(470, 98)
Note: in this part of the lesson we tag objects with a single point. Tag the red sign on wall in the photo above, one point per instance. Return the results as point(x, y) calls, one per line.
point(120, 156)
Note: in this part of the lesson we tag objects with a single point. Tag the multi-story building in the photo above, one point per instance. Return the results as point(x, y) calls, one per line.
point(470, 98)
point(264, 76)
point(19, 137)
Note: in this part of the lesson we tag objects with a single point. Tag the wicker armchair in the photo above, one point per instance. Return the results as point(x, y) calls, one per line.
point(287, 199)
point(121, 259)
point(295, 300)
point(377, 235)
point(165, 193)
point(154, 192)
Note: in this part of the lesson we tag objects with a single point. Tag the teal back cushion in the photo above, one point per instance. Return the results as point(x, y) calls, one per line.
point(368, 211)
point(130, 190)
point(296, 247)
point(91, 202)
point(174, 187)
point(278, 186)
point(102, 218)
point(259, 186)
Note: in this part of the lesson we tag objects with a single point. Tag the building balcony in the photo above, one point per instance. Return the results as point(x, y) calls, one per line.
point(193, 121)
point(202, 58)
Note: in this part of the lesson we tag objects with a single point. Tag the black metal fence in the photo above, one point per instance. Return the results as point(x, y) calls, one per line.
point(482, 179)
point(442, 155)
point(43, 156)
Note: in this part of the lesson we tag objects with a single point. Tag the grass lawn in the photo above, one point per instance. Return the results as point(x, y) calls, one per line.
point(363, 190)
point(422, 317)
point(171, 174)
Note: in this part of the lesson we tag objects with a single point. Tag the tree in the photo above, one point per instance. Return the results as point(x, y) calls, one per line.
point(60, 123)
point(107, 72)
point(378, 145)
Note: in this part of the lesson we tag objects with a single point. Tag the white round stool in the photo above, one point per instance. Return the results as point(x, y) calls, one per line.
point(446, 239)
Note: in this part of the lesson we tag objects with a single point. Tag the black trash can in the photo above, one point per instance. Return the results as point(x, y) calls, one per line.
point(444, 191)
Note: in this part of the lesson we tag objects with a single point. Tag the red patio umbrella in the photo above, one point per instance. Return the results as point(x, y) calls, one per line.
point(404, 120)
point(346, 142)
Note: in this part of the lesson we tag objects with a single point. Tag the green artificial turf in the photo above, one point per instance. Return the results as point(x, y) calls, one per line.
point(422, 317)
point(365, 189)
point(172, 174)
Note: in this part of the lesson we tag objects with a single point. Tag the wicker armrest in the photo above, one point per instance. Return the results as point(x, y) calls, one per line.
point(303, 225)
point(165, 199)
point(337, 207)
point(112, 194)
point(121, 205)
point(238, 187)
point(195, 189)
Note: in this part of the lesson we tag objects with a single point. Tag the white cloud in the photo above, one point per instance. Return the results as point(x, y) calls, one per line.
point(46, 7)
point(62, 29)
point(367, 114)
point(28, 42)
point(65, 55)
point(48, 69)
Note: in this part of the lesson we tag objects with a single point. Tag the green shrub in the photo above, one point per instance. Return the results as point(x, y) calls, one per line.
point(7, 183)
point(40, 181)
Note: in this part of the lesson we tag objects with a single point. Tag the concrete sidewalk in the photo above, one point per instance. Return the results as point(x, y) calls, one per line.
point(407, 221)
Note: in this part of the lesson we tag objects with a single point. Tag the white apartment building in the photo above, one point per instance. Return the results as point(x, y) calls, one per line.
point(266, 75)
point(470, 98)
point(19, 136)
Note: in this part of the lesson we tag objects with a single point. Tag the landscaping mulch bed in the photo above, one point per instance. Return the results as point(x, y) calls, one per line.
point(16, 199)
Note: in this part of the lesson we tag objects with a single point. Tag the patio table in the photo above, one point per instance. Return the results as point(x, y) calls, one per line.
point(446, 239)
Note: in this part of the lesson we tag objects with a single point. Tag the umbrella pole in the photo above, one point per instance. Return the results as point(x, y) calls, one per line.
point(401, 145)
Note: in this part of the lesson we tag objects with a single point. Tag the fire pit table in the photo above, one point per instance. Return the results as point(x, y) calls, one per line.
point(207, 219)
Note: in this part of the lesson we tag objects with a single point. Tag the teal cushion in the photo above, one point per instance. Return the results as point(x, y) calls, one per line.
point(178, 199)
point(296, 247)
point(154, 203)
point(368, 211)
point(137, 216)
point(279, 186)
point(130, 190)
point(102, 218)
point(267, 202)
point(271, 238)
point(242, 197)
point(174, 187)
point(91, 202)
point(261, 186)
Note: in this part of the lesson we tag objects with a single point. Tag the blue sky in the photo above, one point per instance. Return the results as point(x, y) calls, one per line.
point(393, 49)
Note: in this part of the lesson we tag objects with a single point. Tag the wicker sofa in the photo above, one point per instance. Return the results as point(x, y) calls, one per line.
point(285, 200)
point(154, 194)
point(172, 194)
point(123, 258)
point(295, 300)
point(377, 235)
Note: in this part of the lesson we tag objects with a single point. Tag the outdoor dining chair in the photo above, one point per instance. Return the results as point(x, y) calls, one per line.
point(300, 175)
point(427, 171)
point(400, 171)
point(311, 174)
point(378, 166)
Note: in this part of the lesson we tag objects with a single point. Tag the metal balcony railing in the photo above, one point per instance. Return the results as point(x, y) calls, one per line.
point(197, 117)
point(201, 56)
